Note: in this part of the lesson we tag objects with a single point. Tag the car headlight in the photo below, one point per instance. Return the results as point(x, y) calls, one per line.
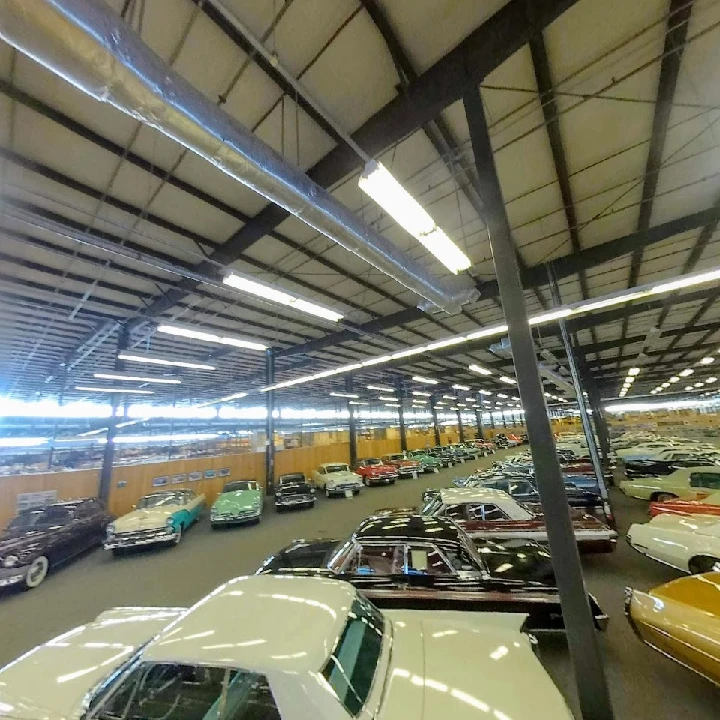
point(111, 529)
point(169, 527)
point(10, 561)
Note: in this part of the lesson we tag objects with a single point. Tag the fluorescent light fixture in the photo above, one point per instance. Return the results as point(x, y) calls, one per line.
point(699, 384)
point(689, 387)
point(688, 281)
point(484, 392)
point(194, 334)
point(633, 371)
point(388, 398)
point(710, 380)
point(674, 379)
point(629, 380)
point(380, 388)
point(508, 380)
point(707, 360)
point(127, 391)
point(136, 378)
point(665, 385)
point(162, 361)
point(357, 402)
point(377, 182)
point(227, 398)
point(278, 296)
point(479, 369)
point(502, 395)
point(421, 379)
point(392, 405)
point(421, 394)
point(449, 397)
point(550, 316)
point(687, 372)
point(345, 395)
point(464, 388)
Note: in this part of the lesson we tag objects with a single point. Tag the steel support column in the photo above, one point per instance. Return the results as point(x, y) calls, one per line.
point(504, 421)
point(582, 642)
point(270, 423)
point(478, 420)
point(349, 387)
point(401, 415)
point(584, 417)
point(436, 427)
point(461, 429)
point(109, 449)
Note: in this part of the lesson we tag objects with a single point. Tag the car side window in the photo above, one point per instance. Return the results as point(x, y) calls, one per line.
point(426, 560)
point(705, 480)
point(486, 511)
point(456, 512)
point(460, 558)
point(375, 560)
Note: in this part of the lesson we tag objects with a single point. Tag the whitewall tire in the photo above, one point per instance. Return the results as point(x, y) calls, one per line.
point(37, 572)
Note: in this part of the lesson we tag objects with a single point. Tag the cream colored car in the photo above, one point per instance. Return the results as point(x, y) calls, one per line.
point(276, 647)
point(337, 479)
point(692, 483)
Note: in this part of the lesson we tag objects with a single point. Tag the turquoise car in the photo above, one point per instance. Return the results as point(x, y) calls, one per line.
point(240, 501)
point(428, 463)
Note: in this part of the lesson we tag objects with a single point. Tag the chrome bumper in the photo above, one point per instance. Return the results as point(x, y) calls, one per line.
point(136, 540)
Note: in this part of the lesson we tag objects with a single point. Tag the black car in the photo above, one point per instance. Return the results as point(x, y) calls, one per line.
point(39, 539)
point(410, 561)
point(659, 468)
point(444, 455)
point(293, 491)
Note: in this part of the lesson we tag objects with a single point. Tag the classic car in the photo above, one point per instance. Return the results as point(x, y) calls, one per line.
point(645, 468)
point(688, 543)
point(240, 501)
point(648, 450)
point(405, 466)
point(441, 453)
point(489, 513)
point(463, 452)
point(693, 483)
point(375, 471)
point(39, 539)
point(157, 519)
point(292, 490)
point(311, 648)
point(337, 479)
point(428, 463)
point(709, 506)
point(524, 489)
point(681, 620)
point(415, 562)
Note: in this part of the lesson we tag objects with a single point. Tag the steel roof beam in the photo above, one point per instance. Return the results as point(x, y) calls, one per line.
point(675, 36)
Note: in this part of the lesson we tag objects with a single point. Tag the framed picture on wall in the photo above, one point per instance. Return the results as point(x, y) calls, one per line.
point(178, 478)
point(160, 481)
point(195, 476)
point(121, 484)
point(210, 474)
point(224, 472)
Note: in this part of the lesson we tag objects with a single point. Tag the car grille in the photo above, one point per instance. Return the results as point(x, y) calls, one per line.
point(345, 486)
point(135, 535)
point(293, 498)
point(235, 513)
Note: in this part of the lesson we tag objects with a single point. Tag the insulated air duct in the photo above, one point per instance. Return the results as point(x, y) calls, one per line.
point(90, 46)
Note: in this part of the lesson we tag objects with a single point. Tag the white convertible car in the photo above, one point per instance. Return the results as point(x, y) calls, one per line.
point(690, 544)
point(158, 519)
point(273, 647)
point(337, 479)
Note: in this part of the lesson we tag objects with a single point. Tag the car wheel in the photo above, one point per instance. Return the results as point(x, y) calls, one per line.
point(356, 492)
point(214, 526)
point(704, 564)
point(37, 572)
point(663, 497)
point(117, 552)
point(366, 482)
point(392, 482)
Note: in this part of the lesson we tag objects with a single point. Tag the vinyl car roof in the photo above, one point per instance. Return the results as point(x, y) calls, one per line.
point(208, 633)
point(410, 525)
point(452, 496)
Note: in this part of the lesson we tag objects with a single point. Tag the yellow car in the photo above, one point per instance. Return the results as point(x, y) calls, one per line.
point(681, 619)
point(691, 483)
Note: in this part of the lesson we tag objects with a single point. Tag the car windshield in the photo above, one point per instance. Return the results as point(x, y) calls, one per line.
point(291, 478)
point(432, 505)
point(239, 485)
point(170, 691)
point(373, 461)
point(44, 516)
point(160, 499)
point(351, 668)
point(336, 468)
point(289, 488)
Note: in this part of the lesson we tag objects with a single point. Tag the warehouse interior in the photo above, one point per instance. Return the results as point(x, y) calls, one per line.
point(244, 240)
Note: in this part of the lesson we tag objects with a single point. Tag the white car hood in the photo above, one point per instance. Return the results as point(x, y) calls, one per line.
point(50, 682)
point(344, 476)
point(145, 519)
point(429, 676)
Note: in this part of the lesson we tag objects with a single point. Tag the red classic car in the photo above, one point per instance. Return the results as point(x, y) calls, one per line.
point(405, 466)
point(374, 471)
point(709, 505)
point(490, 513)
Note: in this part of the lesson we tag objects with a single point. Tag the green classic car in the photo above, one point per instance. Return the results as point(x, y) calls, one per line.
point(428, 463)
point(240, 501)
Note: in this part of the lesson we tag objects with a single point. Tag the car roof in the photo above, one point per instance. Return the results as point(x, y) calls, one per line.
point(407, 525)
point(327, 464)
point(243, 624)
point(453, 496)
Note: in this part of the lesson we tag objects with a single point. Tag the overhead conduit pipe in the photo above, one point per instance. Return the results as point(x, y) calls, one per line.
point(90, 46)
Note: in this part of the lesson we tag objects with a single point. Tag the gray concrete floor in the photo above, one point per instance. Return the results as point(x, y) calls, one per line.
point(643, 684)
